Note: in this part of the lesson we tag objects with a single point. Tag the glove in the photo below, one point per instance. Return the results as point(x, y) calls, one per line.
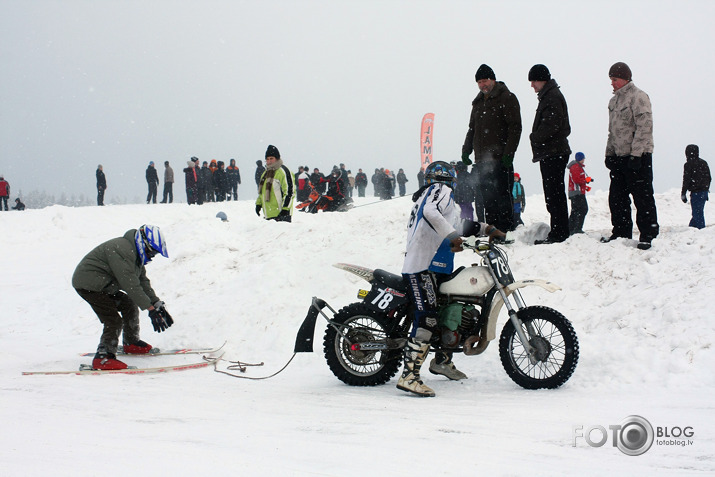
point(684, 198)
point(160, 318)
point(495, 234)
point(634, 163)
point(589, 180)
point(465, 158)
point(456, 244)
point(507, 160)
point(258, 210)
point(611, 162)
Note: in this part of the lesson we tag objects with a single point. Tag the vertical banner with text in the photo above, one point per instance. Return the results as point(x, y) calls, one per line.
point(426, 139)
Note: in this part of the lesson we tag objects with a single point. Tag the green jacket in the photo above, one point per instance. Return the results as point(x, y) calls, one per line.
point(114, 266)
point(282, 190)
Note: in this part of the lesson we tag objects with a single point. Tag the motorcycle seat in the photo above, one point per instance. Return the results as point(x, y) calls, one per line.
point(391, 280)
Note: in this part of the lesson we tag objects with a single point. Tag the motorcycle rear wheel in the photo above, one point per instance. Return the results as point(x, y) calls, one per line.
point(358, 367)
point(556, 346)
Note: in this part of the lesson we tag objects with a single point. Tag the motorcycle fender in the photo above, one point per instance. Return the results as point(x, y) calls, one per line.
point(304, 339)
point(497, 303)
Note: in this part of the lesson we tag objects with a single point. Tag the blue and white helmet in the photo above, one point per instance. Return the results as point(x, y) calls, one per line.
point(440, 171)
point(150, 241)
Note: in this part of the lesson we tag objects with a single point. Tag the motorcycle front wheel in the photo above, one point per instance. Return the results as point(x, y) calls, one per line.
point(555, 346)
point(360, 367)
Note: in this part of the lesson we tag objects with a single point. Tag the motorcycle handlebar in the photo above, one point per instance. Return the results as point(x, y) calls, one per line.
point(478, 246)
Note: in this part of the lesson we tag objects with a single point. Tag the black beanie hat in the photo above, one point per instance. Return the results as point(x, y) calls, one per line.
point(620, 70)
point(692, 151)
point(273, 151)
point(485, 72)
point(539, 73)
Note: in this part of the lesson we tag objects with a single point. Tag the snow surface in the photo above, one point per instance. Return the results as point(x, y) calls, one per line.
point(643, 321)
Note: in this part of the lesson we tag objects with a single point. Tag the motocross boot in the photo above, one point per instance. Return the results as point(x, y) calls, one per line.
point(442, 364)
point(410, 381)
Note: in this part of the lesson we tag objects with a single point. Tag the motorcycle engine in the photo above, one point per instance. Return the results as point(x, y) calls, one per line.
point(450, 339)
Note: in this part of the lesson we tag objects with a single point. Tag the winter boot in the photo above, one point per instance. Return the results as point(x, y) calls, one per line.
point(107, 361)
point(415, 355)
point(140, 347)
point(442, 364)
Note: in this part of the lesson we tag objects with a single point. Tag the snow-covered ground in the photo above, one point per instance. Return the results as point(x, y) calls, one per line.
point(643, 319)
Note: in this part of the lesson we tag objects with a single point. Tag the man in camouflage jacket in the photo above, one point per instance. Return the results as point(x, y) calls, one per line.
point(629, 157)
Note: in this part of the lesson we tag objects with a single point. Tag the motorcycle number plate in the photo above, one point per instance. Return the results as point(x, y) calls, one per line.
point(501, 269)
point(385, 298)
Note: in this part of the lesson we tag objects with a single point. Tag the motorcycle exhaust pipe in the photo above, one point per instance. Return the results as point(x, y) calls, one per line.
point(475, 345)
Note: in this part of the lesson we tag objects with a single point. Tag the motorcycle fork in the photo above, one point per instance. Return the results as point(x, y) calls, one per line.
point(518, 324)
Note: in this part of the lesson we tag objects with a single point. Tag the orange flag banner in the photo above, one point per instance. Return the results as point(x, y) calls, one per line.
point(426, 139)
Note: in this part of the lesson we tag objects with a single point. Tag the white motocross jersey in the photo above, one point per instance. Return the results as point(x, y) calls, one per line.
point(434, 217)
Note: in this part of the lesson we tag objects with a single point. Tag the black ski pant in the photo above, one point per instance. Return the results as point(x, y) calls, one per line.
point(632, 177)
point(168, 192)
point(553, 171)
point(232, 191)
point(3, 200)
point(118, 313)
point(151, 196)
point(579, 209)
point(495, 182)
point(100, 196)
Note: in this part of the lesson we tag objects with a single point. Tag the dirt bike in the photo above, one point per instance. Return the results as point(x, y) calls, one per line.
point(363, 342)
point(317, 201)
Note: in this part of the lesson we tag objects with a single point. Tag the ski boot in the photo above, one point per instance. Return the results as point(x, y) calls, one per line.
point(415, 355)
point(107, 361)
point(140, 347)
point(442, 364)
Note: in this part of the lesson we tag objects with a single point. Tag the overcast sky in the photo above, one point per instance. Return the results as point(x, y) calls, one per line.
point(123, 83)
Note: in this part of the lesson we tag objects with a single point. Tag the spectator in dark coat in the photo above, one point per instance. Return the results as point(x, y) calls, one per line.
point(387, 184)
point(234, 179)
point(696, 179)
point(493, 134)
point(421, 177)
point(191, 175)
point(401, 182)
point(18, 205)
point(361, 182)
point(205, 183)
point(152, 180)
point(317, 179)
point(220, 181)
point(101, 185)
point(376, 180)
point(550, 145)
